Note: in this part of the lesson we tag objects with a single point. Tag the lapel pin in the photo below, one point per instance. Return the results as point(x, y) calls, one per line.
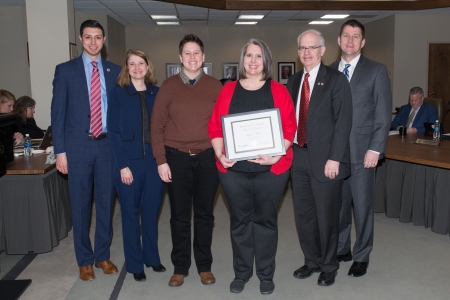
point(107, 70)
point(320, 83)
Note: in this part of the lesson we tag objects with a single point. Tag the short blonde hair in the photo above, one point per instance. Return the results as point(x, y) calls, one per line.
point(6, 96)
point(124, 76)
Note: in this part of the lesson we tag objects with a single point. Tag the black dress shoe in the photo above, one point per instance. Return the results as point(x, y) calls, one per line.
point(345, 257)
point(158, 269)
point(358, 269)
point(305, 272)
point(139, 276)
point(266, 287)
point(326, 278)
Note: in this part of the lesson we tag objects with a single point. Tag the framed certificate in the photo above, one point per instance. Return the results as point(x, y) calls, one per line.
point(248, 134)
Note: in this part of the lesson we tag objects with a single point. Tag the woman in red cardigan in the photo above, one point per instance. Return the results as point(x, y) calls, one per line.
point(253, 188)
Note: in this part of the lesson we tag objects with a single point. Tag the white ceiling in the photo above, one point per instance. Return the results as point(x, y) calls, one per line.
point(136, 13)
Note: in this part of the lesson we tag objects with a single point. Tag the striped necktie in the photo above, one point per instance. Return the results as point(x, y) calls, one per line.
point(346, 72)
point(303, 112)
point(95, 100)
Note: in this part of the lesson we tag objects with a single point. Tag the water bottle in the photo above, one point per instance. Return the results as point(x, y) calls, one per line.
point(437, 131)
point(27, 146)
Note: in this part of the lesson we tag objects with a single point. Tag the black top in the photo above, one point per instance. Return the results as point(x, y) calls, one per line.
point(145, 118)
point(27, 127)
point(247, 101)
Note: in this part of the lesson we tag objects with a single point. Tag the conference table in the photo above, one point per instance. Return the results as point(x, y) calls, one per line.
point(413, 182)
point(35, 210)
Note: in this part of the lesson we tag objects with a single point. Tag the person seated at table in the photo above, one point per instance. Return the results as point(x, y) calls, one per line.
point(415, 114)
point(7, 101)
point(24, 108)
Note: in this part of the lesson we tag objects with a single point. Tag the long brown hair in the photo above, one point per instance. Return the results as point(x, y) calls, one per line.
point(21, 105)
point(124, 76)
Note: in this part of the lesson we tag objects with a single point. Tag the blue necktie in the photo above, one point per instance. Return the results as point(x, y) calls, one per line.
point(345, 71)
point(191, 81)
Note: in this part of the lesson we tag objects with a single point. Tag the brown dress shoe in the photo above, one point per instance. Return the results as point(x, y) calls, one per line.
point(176, 280)
point(207, 277)
point(107, 266)
point(87, 273)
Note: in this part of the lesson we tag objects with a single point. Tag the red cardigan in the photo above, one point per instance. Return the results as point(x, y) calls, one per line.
point(281, 100)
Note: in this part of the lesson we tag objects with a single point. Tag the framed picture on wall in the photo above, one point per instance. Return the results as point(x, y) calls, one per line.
point(172, 69)
point(230, 71)
point(285, 70)
point(207, 68)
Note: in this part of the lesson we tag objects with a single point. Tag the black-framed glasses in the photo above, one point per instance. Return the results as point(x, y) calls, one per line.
point(312, 48)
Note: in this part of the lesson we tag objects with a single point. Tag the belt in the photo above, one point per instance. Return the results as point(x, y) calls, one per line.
point(192, 151)
point(100, 137)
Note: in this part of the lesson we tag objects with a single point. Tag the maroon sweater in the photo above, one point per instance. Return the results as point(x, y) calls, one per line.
point(181, 114)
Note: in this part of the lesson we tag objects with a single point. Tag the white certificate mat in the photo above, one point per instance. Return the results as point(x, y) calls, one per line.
point(248, 134)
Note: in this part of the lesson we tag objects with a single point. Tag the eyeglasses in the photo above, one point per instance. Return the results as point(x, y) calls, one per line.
point(312, 48)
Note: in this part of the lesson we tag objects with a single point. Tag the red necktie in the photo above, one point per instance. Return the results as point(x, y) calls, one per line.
point(95, 98)
point(303, 112)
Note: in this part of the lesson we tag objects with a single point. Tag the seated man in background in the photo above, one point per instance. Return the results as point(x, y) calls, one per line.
point(413, 115)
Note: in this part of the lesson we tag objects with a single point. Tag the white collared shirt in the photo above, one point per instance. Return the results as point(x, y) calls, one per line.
point(311, 80)
point(351, 69)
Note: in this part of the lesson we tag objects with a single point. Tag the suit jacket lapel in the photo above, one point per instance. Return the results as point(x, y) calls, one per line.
point(79, 69)
point(359, 70)
point(296, 87)
point(321, 81)
point(109, 80)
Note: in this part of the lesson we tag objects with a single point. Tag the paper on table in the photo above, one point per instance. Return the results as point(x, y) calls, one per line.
point(393, 132)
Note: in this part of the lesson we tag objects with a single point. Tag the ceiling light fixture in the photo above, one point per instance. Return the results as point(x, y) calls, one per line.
point(251, 17)
point(168, 23)
point(334, 16)
point(320, 22)
point(245, 23)
point(163, 17)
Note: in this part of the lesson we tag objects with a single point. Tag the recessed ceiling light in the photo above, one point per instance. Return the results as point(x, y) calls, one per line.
point(168, 23)
point(163, 17)
point(334, 17)
point(245, 23)
point(321, 22)
point(251, 17)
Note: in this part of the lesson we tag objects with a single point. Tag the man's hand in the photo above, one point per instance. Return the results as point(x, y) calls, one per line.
point(331, 169)
point(371, 159)
point(61, 163)
point(411, 130)
point(164, 172)
point(126, 176)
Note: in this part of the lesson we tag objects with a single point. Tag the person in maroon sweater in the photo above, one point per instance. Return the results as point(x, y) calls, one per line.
point(185, 158)
point(254, 187)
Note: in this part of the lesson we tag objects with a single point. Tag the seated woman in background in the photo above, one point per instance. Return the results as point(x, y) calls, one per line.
point(7, 101)
point(24, 108)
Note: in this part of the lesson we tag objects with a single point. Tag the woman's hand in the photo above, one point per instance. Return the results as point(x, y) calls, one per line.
point(126, 176)
point(265, 160)
point(18, 138)
point(224, 161)
point(164, 172)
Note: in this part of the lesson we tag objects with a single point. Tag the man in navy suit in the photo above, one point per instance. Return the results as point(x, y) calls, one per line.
point(372, 105)
point(413, 115)
point(323, 101)
point(84, 156)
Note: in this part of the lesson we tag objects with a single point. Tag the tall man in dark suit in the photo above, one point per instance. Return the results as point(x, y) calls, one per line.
point(80, 100)
point(372, 104)
point(321, 156)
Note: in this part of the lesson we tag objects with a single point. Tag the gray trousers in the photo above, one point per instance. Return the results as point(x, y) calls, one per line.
point(359, 190)
point(253, 199)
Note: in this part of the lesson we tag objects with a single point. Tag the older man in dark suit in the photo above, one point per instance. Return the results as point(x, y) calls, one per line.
point(321, 156)
point(80, 100)
point(372, 104)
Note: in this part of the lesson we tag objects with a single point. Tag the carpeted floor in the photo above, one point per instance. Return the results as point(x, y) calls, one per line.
point(408, 262)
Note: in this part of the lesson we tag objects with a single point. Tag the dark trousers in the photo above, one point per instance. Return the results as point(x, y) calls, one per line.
point(93, 170)
point(316, 206)
point(358, 189)
point(253, 199)
point(194, 183)
point(139, 206)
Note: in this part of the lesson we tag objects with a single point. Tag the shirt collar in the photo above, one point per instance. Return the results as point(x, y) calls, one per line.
point(314, 71)
point(353, 63)
point(87, 60)
point(186, 79)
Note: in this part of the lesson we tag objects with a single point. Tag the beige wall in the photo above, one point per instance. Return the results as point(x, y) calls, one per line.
point(14, 71)
point(413, 34)
point(224, 44)
point(116, 41)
